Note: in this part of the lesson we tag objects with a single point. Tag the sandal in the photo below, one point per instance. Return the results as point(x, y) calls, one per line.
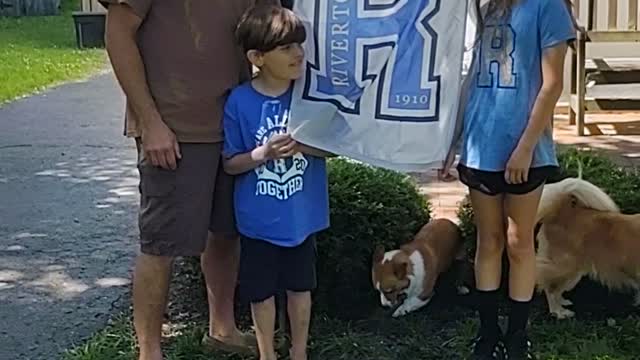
point(247, 345)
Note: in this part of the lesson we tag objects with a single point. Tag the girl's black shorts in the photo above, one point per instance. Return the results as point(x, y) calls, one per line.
point(493, 183)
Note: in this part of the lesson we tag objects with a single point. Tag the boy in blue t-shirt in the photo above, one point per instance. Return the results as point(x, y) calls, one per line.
point(281, 193)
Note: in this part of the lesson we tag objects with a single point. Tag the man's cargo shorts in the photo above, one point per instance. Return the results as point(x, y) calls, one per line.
point(178, 207)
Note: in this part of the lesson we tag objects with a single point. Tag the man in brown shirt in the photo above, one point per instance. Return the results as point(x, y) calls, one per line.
point(176, 61)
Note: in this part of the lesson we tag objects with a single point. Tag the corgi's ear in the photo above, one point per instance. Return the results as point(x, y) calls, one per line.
point(400, 269)
point(378, 253)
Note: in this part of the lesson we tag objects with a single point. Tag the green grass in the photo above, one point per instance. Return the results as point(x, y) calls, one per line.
point(38, 52)
point(440, 332)
point(607, 327)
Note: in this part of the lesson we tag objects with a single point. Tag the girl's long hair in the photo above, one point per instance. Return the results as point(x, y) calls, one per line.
point(501, 9)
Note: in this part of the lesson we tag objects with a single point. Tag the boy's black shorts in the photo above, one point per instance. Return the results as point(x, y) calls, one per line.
point(266, 269)
point(493, 183)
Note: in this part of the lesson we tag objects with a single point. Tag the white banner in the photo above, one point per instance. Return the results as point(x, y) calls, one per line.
point(382, 79)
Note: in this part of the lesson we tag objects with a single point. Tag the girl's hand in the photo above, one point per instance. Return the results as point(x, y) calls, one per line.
point(444, 174)
point(517, 171)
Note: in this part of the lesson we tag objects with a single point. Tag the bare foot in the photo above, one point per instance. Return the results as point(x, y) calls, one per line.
point(150, 355)
point(270, 357)
point(298, 355)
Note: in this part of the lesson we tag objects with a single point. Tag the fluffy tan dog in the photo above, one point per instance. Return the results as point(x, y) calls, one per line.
point(583, 233)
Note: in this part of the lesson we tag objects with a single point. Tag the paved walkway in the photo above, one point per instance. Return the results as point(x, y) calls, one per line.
point(617, 135)
point(68, 190)
point(624, 149)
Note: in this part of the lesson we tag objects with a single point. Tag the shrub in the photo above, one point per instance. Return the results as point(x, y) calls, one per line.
point(622, 184)
point(467, 225)
point(369, 206)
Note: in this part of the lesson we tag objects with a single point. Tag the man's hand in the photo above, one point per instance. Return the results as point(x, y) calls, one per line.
point(160, 145)
point(158, 141)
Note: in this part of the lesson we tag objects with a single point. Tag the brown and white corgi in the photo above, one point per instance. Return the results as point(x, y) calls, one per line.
point(406, 277)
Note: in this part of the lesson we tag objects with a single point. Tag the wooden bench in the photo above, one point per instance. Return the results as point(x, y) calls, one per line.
point(621, 77)
point(92, 6)
point(90, 24)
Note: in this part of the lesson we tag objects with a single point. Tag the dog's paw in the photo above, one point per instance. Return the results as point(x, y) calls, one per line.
point(563, 313)
point(463, 290)
point(410, 305)
point(565, 302)
point(401, 311)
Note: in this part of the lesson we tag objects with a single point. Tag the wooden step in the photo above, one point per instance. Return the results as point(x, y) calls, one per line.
point(613, 77)
point(596, 126)
point(612, 70)
point(610, 97)
point(613, 36)
point(612, 64)
point(614, 91)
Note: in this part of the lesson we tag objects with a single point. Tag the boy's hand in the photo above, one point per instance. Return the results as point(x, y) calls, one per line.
point(279, 146)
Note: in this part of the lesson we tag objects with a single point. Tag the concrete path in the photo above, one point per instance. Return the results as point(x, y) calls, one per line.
point(68, 194)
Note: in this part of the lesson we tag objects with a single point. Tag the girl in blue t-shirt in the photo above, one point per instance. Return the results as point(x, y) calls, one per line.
point(514, 82)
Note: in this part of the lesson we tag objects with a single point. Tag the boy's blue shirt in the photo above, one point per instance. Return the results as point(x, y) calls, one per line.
point(506, 78)
point(283, 201)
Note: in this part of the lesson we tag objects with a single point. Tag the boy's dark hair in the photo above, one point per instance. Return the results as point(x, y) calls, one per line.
point(287, 4)
point(265, 27)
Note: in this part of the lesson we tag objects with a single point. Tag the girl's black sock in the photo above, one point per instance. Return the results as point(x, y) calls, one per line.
point(519, 316)
point(488, 310)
